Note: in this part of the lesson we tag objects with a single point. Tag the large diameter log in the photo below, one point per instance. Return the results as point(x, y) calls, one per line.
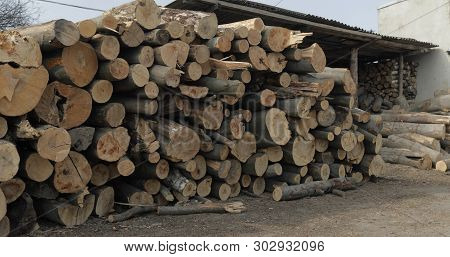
point(313, 60)
point(65, 213)
point(53, 34)
point(18, 49)
point(205, 24)
point(12, 189)
point(275, 39)
point(299, 151)
point(9, 163)
point(21, 89)
point(35, 168)
point(342, 78)
point(76, 64)
point(177, 141)
point(144, 12)
point(64, 106)
point(430, 130)
point(53, 144)
point(310, 189)
point(440, 103)
point(22, 216)
point(110, 144)
point(398, 142)
point(414, 117)
point(270, 127)
point(72, 174)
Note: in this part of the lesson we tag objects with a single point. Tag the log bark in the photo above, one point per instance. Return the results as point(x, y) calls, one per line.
point(296, 107)
point(220, 152)
point(319, 171)
point(429, 130)
point(337, 170)
point(273, 170)
point(115, 70)
point(72, 174)
point(218, 169)
point(64, 106)
point(132, 195)
point(81, 138)
point(372, 165)
point(143, 55)
point(205, 24)
point(152, 171)
point(423, 163)
point(223, 87)
point(53, 34)
point(234, 207)
point(157, 37)
point(4, 227)
point(255, 23)
point(310, 189)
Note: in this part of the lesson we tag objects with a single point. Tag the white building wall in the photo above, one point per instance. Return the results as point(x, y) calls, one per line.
point(424, 20)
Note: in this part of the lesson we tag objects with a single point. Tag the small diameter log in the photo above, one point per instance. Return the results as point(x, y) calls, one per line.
point(3, 127)
point(283, 79)
point(421, 163)
point(143, 55)
point(205, 24)
point(72, 174)
point(218, 169)
point(109, 115)
point(53, 34)
point(273, 170)
point(138, 77)
point(324, 135)
point(312, 60)
point(76, 64)
point(277, 62)
point(372, 165)
point(100, 174)
point(257, 57)
point(104, 200)
point(9, 163)
point(327, 117)
point(151, 186)
point(149, 91)
point(210, 116)
point(424, 140)
point(430, 130)
point(346, 141)
point(319, 171)
point(100, 90)
point(342, 79)
point(64, 106)
point(296, 107)
point(110, 144)
point(199, 53)
point(321, 145)
point(270, 127)
point(219, 45)
point(245, 180)
point(81, 138)
point(165, 76)
point(443, 165)
point(275, 39)
point(17, 85)
point(290, 178)
point(295, 169)
point(22, 216)
point(235, 190)
point(157, 37)
point(209, 207)
point(129, 194)
point(274, 153)
point(311, 189)
point(65, 213)
point(193, 92)
point(374, 125)
point(226, 33)
point(414, 117)
point(87, 29)
point(256, 165)
point(124, 166)
point(192, 71)
point(204, 186)
point(235, 172)
point(12, 189)
point(114, 70)
point(106, 47)
point(223, 87)
point(327, 85)
point(299, 151)
point(242, 75)
point(264, 98)
point(130, 34)
point(254, 37)
point(155, 171)
point(257, 186)
point(175, 29)
point(326, 157)
point(178, 182)
point(337, 170)
point(240, 46)
point(219, 153)
point(21, 50)
point(177, 141)
point(399, 142)
point(356, 154)
point(271, 184)
point(34, 167)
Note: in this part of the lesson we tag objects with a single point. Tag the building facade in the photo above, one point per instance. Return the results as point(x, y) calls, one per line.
point(424, 20)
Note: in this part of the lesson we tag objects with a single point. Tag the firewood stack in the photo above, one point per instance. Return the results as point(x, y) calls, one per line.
point(419, 138)
point(380, 84)
point(146, 105)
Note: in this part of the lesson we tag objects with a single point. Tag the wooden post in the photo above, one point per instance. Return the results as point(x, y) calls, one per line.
point(354, 70)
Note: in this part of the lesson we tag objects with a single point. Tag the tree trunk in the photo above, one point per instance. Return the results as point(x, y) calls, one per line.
point(132, 195)
point(34, 167)
point(223, 87)
point(165, 76)
point(53, 34)
point(296, 107)
point(423, 163)
point(273, 170)
point(218, 169)
point(155, 171)
point(107, 47)
point(319, 171)
point(372, 165)
point(109, 115)
point(429, 130)
point(337, 170)
point(257, 186)
point(327, 117)
point(346, 141)
point(242, 149)
point(115, 70)
point(81, 138)
point(443, 165)
point(143, 55)
point(87, 29)
point(257, 57)
point(64, 106)
point(414, 117)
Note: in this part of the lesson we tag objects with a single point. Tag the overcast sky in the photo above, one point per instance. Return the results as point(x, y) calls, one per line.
point(353, 12)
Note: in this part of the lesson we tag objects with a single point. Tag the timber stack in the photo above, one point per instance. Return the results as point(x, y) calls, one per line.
point(419, 137)
point(380, 84)
point(148, 106)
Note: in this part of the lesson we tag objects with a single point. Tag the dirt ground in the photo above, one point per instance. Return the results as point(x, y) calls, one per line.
point(405, 202)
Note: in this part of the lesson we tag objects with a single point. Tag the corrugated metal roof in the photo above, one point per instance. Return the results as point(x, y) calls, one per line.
point(307, 17)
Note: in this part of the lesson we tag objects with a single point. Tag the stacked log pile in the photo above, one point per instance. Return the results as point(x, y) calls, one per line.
point(420, 138)
point(137, 107)
point(380, 84)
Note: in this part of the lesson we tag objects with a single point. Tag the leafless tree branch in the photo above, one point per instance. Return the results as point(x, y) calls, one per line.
point(17, 13)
